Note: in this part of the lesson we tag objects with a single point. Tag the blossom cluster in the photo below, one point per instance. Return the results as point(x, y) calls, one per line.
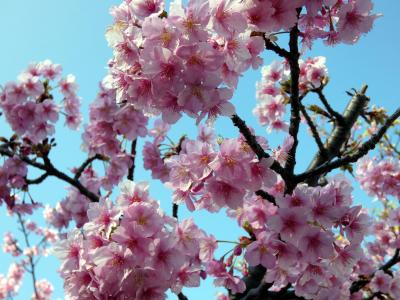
point(131, 250)
point(12, 176)
point(10, 284)
point(380, 178)
point(30, 108)
point(108, 122)
point(272, 92)
point(310, 239)
point(189, 59)
point(210, 175)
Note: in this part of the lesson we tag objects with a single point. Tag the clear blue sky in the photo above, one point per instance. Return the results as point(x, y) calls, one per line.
point(71, 33)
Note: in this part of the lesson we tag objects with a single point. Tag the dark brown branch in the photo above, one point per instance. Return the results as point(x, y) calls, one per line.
point(175, 210)
point(182, 297)
point(85, 164)
point(52, 171)
point(131, 170)
point(319, 91)
point(266, 196)
point(340, 134)
point(314, 131)
point(275, 48)
point(255, 146)
point(362, 150)
point(294, 103)
point(393, 261)
point(38, 180)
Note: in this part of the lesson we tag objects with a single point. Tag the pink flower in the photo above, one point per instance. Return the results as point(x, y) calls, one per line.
point(290, 223)
point(260, 252)
point(225, 194)
point(226, 18)
point(128, 237)
point(133, 192)
point(316, 244)
point(69, 251)
point(165, 256)
point(49, 70)
point(358, 225)
point(381, 282)
point(145, 8)
point(355, 19)
point(103, 214)
point(143, 217)
point(208, 245)
point(188, 237)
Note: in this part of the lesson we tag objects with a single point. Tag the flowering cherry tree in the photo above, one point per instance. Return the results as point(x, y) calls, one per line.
point(300, 236)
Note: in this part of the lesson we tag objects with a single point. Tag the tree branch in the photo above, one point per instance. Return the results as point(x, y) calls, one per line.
point(294, 103)
point(85, 164)
point(131, 170)
point(182, 297)
point(314, 131)
point(362, 150)
point(266, 196)
point(255, 146)
point(38, 180)
point(319, 91)
point(340, 134)
point(52, 171)
point(31, 263)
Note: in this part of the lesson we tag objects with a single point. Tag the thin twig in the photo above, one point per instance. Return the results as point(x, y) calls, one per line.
point(314, 131)
point(32, 264)
point(85, 164)
point(331, 111)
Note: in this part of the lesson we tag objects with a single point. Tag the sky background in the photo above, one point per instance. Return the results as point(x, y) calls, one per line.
point(71, 33)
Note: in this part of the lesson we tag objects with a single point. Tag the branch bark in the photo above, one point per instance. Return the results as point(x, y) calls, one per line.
point(362, 150)
point(85, 164)
point(255, 146)
point(340, 134)
point(131, 170)
point(49, 168)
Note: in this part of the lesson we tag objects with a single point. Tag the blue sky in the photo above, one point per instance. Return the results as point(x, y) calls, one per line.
point(71, 33)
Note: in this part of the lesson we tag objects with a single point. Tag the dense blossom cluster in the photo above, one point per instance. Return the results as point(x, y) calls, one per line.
point(272, 93)
point(189, 59)
point(207, 175)
point(380, 178)
point(109, 121)
point(131, 250)
point(30, 109)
